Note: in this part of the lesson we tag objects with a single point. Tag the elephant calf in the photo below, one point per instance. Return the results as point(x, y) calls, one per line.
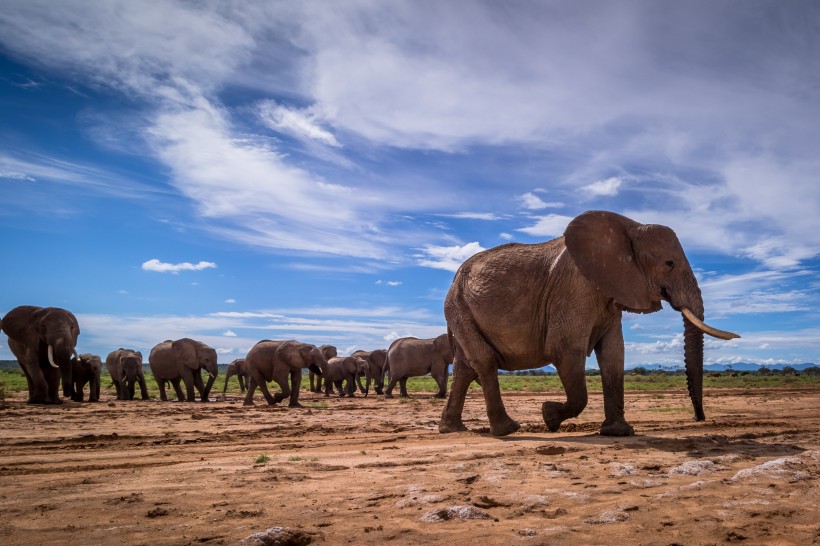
point(346, 369)
point(412, 357)
point(238, 368)
point(125, 367)
point(182, 360)
point(85, 369)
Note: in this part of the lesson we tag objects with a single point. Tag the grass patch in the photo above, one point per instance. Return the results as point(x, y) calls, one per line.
point(262, 459)
point(295, 458)
point(669, 410)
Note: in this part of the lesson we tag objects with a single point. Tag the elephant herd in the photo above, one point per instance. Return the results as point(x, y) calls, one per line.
point(512, 307)
point(44, 339)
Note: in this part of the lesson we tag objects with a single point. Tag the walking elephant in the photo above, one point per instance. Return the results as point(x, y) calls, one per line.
point(347, 369)
point(238, 368)
point(43, 340)
point(277, 361)
point(411, 357)
point(520, 306)
point(125, 368)
point(328, 351)
point(182, 360)
point(85, 369)
point(375, 362)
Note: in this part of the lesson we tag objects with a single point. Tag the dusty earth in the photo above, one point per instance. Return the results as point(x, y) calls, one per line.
point(369, 471)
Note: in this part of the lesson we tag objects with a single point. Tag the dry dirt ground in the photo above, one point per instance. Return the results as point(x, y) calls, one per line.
point(369, 471)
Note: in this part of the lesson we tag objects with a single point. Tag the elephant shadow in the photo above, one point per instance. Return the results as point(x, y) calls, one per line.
point(705, 446)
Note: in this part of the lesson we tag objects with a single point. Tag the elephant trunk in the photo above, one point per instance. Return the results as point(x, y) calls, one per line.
point(59, 356)
point(207, 390)
point(693, 358)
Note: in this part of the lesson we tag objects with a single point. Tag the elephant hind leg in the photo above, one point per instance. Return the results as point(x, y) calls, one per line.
point(573, 378)
point(295, 387)
point(463, 375)
point(403, 387)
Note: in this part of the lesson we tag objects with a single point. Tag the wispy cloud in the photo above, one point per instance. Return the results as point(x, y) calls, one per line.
point(300, 123)
point(608, 187)
point(531, 201)
point(163, 267)
point(552, 225)
point(448, 258)
point(388, 283)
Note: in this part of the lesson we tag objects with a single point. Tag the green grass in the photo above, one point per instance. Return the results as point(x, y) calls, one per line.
point(13, 381)
point(262, 459)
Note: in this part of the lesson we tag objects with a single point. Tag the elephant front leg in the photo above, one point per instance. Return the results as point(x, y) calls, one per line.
point(178, 390)
point(52, 376)
point(573, 377)
point(143, 388)
point(295, 387)
point(610, 354)
point(251, 389)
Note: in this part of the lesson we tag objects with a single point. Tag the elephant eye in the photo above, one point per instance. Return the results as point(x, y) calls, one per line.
point(670, 265)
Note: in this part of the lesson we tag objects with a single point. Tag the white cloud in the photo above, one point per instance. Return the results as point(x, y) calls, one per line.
point(532, 202)
point(230, 300)
point(229, 333)
point(608, 187)
point(448, 258)
point(163, 267)
point(388, 283)
point(489, 216)
point(506, 236)
point(300, 123)
point(552, 225)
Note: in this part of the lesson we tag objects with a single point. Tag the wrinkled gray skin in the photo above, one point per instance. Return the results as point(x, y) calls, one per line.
point(31, 331)
point(412, 357)
point(346, 369)
point(277, 361)
point(328, 351)
point(85, 369)
point(520, 306)
point(125, 368)
point(182, 360)
point(238, 368)
point(375, 362)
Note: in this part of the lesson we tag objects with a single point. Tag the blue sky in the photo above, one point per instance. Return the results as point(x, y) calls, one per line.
point(237, 171)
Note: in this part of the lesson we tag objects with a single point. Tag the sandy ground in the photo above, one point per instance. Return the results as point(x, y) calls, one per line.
point(370, 470)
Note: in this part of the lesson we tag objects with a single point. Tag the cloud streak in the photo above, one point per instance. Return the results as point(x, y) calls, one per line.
point(164, 267)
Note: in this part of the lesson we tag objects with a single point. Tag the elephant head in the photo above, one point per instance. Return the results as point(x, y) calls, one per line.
point(43, 338)
point(191, 356)
point(638, 266)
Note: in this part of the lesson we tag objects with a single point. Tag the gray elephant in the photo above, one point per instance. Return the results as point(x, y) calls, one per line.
point(328, 351)
point(43, 340)
point(412, 357)
point(125, 368)
point(277, 361)
point(347, 369)
point(375, 362)
point(182, 360)
point(520, 306)
point(85, 369)
point(238, 368)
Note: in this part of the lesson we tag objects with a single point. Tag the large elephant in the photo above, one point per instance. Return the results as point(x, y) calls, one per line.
point(182, 360)
point(43, 340)
point(277, 361)
point(412, 357)
point(328, 351)
point(375, 361)
point(520, 306)
point(125, 368)
point(85, 369)
point(238, 368)
point(346, 369)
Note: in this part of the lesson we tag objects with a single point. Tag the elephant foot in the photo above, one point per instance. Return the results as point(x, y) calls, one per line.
point(379, 391)
point(388, 395)
point(552, 414)
point(616, 428)
point(295, 405)
point(446, 427)
point(248, 404)
point(504, 428)
point(440, 395)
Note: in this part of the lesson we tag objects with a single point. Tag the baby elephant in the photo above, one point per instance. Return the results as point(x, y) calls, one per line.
point(125, 367)
point(347, 369)
point(85, 368)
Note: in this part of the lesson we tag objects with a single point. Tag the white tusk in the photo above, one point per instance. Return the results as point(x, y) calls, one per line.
point(714, 332)
point(51, 357)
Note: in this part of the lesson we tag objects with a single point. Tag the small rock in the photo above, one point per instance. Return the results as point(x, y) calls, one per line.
point(550, 450)
point(455, 512)
point(278, 536)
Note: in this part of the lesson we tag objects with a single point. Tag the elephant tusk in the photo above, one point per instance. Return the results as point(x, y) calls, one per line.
point(714, 332)
point(51, 357)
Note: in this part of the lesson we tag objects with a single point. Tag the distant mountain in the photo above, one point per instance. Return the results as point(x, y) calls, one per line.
point(738, 366)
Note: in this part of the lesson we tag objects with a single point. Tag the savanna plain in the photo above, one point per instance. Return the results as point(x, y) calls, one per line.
point(375, 471)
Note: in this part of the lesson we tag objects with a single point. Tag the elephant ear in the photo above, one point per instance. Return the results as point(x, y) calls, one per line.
point(185, 351)
point(600, 244)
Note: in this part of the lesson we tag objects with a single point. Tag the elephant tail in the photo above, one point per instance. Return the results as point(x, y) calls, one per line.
point(386, 367)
